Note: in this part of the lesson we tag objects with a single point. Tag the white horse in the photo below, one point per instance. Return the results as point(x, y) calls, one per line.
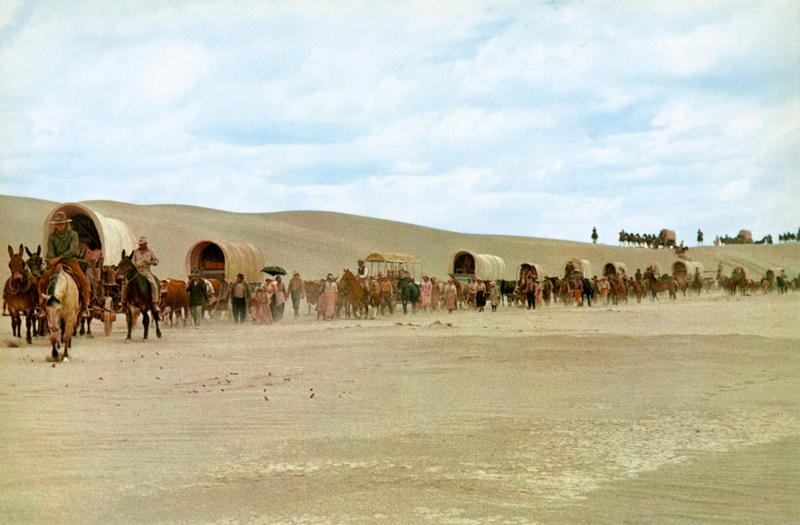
point(63, 304)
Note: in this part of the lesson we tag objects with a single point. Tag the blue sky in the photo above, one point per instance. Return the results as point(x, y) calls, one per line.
point(540, 119)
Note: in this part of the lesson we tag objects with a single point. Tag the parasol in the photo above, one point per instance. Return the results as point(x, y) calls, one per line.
point(274, 270)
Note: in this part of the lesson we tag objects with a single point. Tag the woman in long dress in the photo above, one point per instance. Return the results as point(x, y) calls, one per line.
point(450, 296)
point(263, 296)
point(331, 296)
point(425, 290)
point(480, 295)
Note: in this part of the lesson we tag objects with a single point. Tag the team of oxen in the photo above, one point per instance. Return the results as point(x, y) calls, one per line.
point(61, 306)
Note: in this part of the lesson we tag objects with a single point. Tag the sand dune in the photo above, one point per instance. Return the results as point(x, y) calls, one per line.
point(316, 243)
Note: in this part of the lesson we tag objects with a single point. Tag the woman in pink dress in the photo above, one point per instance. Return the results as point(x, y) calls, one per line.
point(425, 290)
point(263, 296)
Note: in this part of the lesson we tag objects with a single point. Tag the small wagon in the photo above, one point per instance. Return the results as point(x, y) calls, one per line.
point(464, 264)
point(394, 265)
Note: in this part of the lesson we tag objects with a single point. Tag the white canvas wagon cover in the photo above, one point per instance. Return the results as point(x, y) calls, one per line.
point(237, 257)
point(537, 269)
point(615, 268)
point(392, 258)
point(111, 236)
point(656, 268)
point(686, 268)
point(581, 266)
point(484, 266)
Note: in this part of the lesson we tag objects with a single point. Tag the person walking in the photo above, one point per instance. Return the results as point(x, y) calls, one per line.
point(240, 297)
point(280, 299)
point(386, 294)
point(331, 291)
point(451, 296)
point(494, 296)
point(425, 291)
point(480, 295)
point(296, 292)
point(198, 297)
point(263, 300)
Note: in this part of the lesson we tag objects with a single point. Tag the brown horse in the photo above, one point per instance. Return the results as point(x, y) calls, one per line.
point(637, 288)
point(656, 286)
point(138, 296)
point(20, 295)
point(359, 299)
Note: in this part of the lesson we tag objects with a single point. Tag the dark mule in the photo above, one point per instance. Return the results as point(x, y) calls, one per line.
point(507, 289)
point(36, 266)
point(20, 295)
point(138, 297)
point(409, 293)
point(588, 290)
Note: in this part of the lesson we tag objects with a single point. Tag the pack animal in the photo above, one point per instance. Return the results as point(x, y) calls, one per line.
point(20, 295)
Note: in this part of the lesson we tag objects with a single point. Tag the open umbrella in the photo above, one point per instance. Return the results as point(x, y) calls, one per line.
point(274, 270)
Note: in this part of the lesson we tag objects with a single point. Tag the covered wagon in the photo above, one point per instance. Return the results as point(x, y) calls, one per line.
point(686, 269)
point(483, 266)
point(666, 238)
point(655, 268)
point(744, 237)
point(393, 265)
point(223, 260)
point(611, 269)
point(102, 241)
point(773, 273)
point(578, 268)
point(535, 269)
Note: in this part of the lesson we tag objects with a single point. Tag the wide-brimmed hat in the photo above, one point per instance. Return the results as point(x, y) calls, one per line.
point(142, 240)
point(295, 272)
point(60, 218)
point(240, 276)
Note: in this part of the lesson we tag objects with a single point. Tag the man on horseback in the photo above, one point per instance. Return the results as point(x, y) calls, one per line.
point(363, 275)
point(143, 258)
point(63, 247)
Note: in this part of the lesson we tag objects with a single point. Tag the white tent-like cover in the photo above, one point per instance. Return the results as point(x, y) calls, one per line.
point(237, 257)
point(580, 266)
point(615, 268)
point(483, 266)
point(110, 235)
point(537, 270)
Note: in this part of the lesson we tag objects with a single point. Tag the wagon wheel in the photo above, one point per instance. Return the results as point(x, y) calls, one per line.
point(107, 313)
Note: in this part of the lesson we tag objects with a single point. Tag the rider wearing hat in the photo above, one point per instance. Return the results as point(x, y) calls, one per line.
point(63, 247)
point(363, 274)
point(143, 258)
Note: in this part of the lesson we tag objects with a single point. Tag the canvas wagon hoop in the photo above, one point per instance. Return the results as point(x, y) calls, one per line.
point(536, 269)
point(483, 266)
point(615, 268)
point(393, 265)
point(96, 232)
point(581, 268)
point(657, 271)
point(685, 269)
point(223, 260)
point(773, 273)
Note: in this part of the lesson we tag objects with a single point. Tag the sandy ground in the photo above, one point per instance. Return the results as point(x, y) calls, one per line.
point(673, 412)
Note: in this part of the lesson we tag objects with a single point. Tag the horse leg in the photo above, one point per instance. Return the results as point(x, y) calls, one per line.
point(28, 322)
point(129, 321)
point(145, 324)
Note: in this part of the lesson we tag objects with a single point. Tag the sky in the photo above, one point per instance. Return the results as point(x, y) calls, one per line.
point(534, 119)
